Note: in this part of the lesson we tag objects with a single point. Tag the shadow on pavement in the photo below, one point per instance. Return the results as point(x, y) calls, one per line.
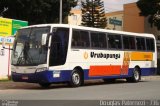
point(34, 86)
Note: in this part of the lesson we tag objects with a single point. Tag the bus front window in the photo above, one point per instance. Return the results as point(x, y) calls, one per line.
point(27, 48)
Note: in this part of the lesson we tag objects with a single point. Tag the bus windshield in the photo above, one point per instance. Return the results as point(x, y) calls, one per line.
point(27, 48)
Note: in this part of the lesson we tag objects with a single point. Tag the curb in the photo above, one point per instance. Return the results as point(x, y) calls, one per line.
point(155, 77)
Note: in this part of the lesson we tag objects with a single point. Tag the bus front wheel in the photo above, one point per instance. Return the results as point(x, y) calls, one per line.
point(76, 78)
point(136, 76)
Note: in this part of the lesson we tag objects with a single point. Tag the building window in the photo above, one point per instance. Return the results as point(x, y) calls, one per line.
point(74, 17)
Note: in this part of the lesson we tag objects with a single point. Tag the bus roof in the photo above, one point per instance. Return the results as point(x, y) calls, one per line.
point(93, 29)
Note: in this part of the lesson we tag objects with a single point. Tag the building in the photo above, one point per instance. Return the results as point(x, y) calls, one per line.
point(75, 17)
point(133, 22)
point(115, 20)
point(127, 20)
point(152, 30)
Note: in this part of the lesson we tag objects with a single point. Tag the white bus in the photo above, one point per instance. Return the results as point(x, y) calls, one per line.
point(52, 53)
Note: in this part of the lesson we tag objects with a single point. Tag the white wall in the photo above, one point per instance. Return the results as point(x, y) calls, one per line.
point(5, 57)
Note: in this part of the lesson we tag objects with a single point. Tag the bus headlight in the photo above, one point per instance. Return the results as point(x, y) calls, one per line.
point(41, 69)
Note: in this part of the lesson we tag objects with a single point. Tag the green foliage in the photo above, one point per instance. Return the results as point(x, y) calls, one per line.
point(151, 9)
point(93, 14)
point(36, 11)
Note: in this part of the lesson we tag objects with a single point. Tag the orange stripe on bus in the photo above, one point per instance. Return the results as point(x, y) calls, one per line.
point(104, 70)
point(141, 56)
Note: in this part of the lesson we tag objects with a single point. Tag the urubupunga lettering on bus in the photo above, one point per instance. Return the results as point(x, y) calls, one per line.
point(102, 55)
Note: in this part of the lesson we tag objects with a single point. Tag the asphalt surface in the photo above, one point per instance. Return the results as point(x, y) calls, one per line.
point(93, 93)
point(148, 88)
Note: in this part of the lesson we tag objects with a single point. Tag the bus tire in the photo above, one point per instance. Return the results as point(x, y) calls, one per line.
point(136, 76)
point(76, 78)
point(45, 85)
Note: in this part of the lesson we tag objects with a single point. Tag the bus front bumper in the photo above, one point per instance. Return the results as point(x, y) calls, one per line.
point(41, 77)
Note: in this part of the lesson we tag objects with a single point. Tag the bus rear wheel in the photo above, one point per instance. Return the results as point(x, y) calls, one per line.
point(45, 85)
point(76, 78)
point(136, 76)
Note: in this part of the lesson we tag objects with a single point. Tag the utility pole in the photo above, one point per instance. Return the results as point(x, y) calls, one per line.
point(114, 19)
point(92, 13)
point(60, 12)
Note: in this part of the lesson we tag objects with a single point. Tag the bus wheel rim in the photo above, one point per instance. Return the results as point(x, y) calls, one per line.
point(76, 78)
point(136, 75)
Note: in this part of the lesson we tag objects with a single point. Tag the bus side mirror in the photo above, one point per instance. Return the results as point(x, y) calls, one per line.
point(44, 39)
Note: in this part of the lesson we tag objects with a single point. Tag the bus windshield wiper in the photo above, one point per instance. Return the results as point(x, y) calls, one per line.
point(24, 57)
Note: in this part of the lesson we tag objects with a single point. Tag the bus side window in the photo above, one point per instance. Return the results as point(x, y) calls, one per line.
point(129, 42)
point(102, 40)
point(140, 42)
point(150, 44)
point(75, 38)
point(98, 40)
point(80, 39)
point(94, 39)
point(126, 42)
point(114, 41)
point(132, 43)
point(84, 38)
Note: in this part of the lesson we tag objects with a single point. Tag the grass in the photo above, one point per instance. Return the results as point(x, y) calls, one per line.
point(5, 79)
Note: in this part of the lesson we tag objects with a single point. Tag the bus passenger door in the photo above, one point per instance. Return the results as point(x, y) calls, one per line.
point(59, 47)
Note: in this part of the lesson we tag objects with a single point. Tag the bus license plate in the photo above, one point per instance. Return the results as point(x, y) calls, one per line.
point(25, 77)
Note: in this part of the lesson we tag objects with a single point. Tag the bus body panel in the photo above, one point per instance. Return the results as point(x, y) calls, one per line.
point(96, 64)
point(64, 76)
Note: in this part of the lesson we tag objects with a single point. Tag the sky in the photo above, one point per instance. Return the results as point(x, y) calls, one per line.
point(115, 5)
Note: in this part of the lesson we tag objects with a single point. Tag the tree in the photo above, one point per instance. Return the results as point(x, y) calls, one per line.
point(150, 9)
point(36, 11)
point(93, 14)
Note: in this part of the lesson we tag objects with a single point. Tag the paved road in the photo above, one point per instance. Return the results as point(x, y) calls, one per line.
point(148, 88)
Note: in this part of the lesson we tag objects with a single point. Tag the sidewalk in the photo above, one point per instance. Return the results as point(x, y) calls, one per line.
point(155, 77)
point(16, 85)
